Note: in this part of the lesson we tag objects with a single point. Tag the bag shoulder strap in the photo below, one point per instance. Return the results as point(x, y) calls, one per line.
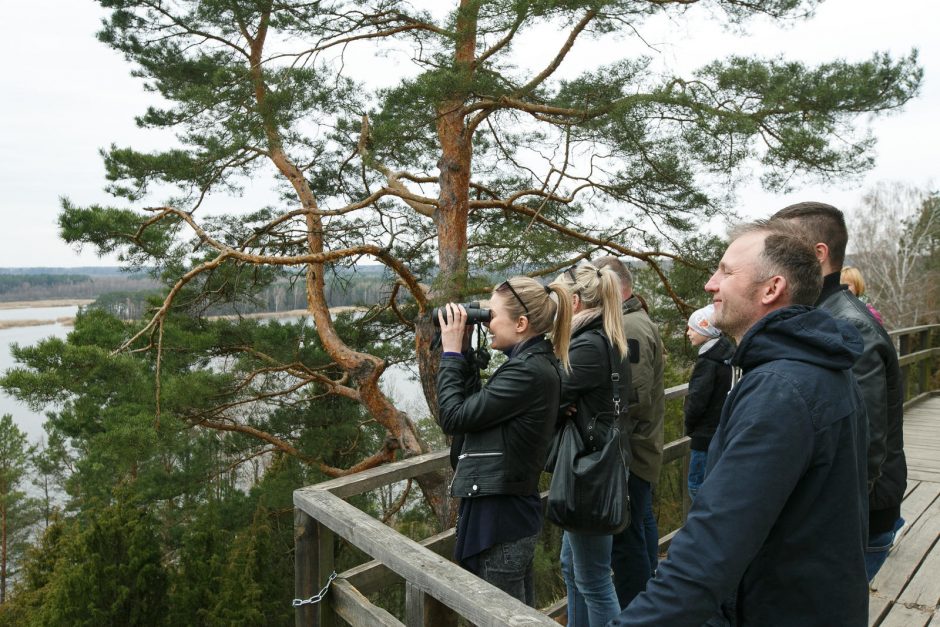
point(614, 372)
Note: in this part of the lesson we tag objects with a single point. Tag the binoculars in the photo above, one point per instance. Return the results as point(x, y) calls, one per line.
point(475, 314)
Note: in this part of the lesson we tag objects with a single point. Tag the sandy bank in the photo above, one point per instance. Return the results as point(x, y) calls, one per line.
point(12, 324)
point(63, 302)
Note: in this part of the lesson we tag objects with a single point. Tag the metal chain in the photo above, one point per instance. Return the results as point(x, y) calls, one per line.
point(318, 596)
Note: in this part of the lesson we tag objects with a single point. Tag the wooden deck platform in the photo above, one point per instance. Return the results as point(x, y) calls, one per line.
point(906, 591)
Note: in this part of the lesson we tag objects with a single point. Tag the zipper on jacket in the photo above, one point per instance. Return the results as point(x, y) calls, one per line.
point(490, 454)
point(465, 455)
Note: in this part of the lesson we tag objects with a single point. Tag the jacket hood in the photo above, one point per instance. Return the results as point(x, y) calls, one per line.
point(721, 351)
point(800, 333)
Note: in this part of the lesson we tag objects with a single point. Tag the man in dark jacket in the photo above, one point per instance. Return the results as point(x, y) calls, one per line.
point(877, 372)
point(778, 527)
point(635, 552)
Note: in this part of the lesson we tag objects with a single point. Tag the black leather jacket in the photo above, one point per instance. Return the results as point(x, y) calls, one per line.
point(708, 388)
point(588, 386)
point(506, 425)
point(879, 379)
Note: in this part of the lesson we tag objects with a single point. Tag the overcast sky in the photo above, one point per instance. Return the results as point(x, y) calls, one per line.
point(65, 96)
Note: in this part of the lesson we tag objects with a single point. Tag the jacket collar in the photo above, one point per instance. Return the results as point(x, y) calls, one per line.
point(830, 286)
point(536, 344)
point(632, 304)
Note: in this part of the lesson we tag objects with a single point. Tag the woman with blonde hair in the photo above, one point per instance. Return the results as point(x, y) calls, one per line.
point(597, 342)
point(852, 277)
point(502, 430)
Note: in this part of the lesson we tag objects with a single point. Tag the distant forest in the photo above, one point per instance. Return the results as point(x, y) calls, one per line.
point(19, 284)
point(128, 296)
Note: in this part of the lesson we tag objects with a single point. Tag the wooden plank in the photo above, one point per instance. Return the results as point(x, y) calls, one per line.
point(677, 391)
point(904, 559)
point(373, 576)
point(935, 622)
point(354, 608)
point(388, 473)
point(677, 449)
point(476, 600)
point(910, 486)
point(917, 503)
point(900, 616)
point(877, 609)
point(924, 588)
point(930, 477)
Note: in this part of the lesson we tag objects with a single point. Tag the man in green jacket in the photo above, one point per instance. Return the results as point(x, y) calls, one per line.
point(636, 549)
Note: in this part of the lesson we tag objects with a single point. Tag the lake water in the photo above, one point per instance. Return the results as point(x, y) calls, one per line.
point(38, 313)
point(29, 422)
point(398, 381)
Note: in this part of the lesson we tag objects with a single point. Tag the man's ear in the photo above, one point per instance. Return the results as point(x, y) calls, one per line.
point(822, 252)
point(774, 291)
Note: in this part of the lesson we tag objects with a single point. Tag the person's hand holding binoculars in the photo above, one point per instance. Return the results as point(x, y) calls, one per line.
point(455, 334)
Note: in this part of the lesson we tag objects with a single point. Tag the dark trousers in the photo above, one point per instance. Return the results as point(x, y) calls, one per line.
point(508, 566)
point(633, 556)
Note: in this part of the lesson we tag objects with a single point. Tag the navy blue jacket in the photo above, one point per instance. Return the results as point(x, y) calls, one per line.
point(780, 522)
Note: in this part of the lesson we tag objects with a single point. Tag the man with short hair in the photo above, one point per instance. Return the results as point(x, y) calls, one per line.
point(877, 372)
point(778, 526)
point(635, 550)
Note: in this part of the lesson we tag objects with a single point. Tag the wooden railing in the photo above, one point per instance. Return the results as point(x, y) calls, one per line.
point(435, 588)
point(918, 355)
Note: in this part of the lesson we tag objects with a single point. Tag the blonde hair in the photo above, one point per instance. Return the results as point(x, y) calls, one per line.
point(852, 276)
point(533, 300)
point(598, 288)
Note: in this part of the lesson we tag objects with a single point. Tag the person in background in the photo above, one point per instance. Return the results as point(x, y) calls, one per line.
point(636, 548)
point(708, 387)
point(777, 529)
point(852, 277)
point(503, 429)
point(877, 372)
point(596, 331)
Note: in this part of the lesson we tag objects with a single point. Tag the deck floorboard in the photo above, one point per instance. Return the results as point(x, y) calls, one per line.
point(906, 591)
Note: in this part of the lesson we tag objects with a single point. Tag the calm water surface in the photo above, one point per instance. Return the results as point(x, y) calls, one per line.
point(27, 420)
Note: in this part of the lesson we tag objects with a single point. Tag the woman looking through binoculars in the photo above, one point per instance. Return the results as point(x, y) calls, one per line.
point(502, 430)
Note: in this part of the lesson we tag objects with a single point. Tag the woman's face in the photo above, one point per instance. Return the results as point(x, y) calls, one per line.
point(505, 331)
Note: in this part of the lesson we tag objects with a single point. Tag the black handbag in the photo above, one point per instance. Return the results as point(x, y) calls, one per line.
point(588, 490)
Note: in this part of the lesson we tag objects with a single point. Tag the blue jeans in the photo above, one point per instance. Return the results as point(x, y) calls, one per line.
point(697, 462)
point(635, 550)
point(878, 546)
point(585, 566)
point(508, 566)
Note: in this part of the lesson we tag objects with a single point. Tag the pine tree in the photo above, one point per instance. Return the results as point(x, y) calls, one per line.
point(18, 512)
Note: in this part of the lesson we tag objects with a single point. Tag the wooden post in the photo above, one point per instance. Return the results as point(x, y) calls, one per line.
point(305, 581)
point(924, 363)
point(313, 565)
point(324, 566)
point(422, 609)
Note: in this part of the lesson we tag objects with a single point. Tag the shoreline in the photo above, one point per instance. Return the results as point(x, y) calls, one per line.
point(47, 302)
point(16, 324)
